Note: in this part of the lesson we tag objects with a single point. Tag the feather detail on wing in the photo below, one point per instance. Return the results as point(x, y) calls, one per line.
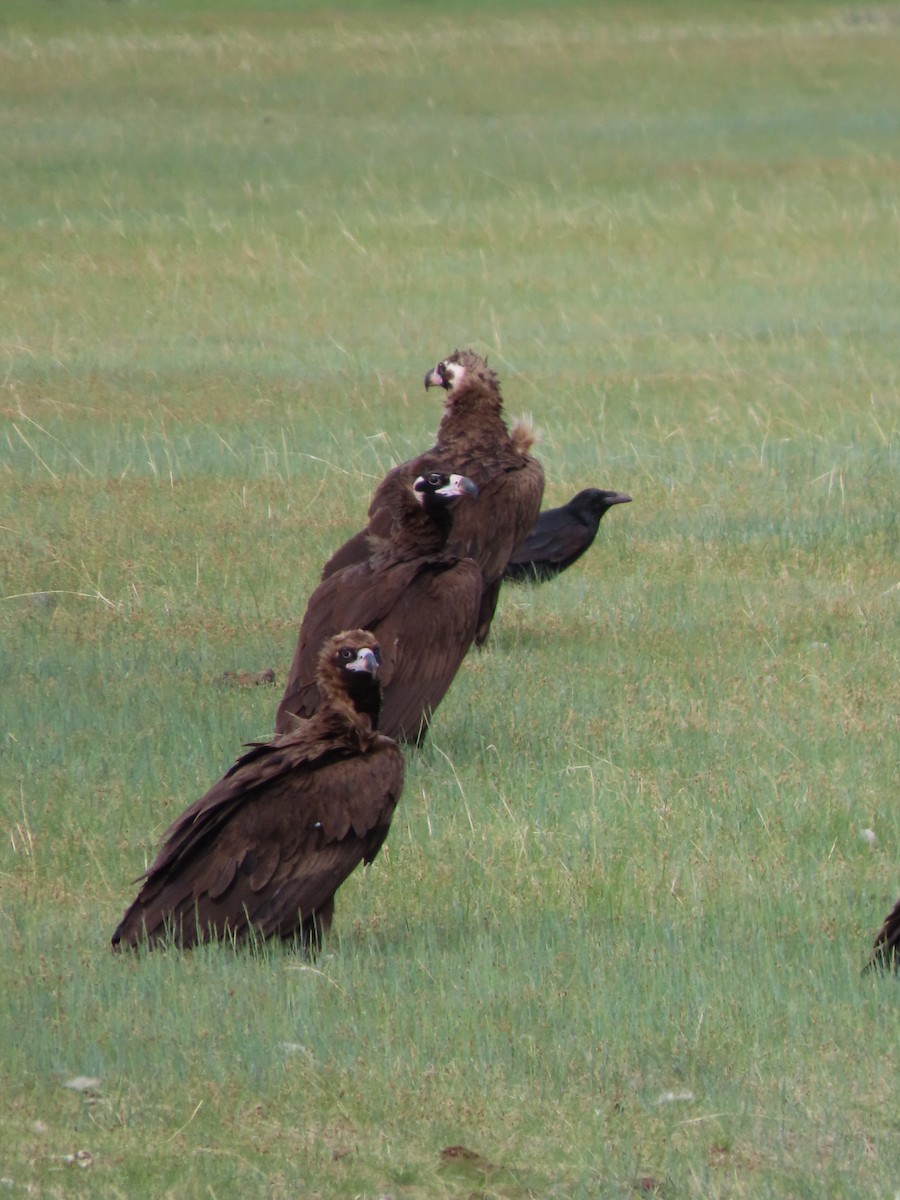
point(276, 836)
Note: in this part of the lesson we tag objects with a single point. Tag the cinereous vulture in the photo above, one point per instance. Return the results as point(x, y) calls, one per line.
point(262, 854)
point(473, 440)
point(560, 536)
point(886, 951)
point(420, 601)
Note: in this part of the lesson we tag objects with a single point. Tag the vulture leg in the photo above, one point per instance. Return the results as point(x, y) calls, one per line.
point(314, 928)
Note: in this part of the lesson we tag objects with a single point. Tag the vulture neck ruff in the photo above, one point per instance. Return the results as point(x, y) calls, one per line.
point(474, 412)
point(417, 531)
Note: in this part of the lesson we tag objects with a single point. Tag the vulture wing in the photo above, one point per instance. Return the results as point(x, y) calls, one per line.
point(269, 844)
point(489, 528)
point(357, 597)
point(510, 489)
point(486, 528)
point(423, 614)
point(358, 548)
point(352, 552)
point(424, 639)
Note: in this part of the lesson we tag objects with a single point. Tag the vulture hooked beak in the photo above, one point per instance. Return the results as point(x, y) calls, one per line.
point(366, 660)
point(447, 375)
point(458, 485)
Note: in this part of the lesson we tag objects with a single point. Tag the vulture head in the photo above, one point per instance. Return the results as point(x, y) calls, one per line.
point(438, 488)
point(348, 673)
point(434, 493)
point(464, 371)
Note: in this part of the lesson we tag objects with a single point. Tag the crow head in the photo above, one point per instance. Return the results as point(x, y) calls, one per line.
point(590, 504)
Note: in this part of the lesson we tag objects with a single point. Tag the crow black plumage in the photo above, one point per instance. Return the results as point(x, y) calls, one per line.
point(560, 536)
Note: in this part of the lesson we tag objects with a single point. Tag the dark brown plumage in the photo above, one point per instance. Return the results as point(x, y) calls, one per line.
point(473, 440)
point(419, 600)
point(560, 536)
point(886, 951)
point(264, 851)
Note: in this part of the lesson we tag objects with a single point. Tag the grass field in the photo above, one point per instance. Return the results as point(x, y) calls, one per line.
point(614, 942)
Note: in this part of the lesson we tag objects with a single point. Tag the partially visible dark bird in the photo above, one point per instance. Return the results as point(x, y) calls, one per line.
point(473, 440)
point(886, 951)
point(560, 536)
point(264, 851)
point(420, 600)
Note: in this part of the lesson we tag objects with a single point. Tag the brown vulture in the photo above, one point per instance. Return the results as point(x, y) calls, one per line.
point(560, 536)
point(420, 601)
point(472, 439)
point(264, 851)
point(886, 951)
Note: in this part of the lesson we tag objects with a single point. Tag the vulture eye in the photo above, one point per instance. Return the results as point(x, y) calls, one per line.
point(346, 653)
point(435, 479)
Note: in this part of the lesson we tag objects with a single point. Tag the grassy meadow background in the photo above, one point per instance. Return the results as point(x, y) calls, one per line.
point(614, 942)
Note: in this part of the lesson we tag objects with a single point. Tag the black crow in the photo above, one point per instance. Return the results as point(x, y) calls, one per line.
point(560, 536)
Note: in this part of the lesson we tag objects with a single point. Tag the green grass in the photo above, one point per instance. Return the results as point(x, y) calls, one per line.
point(617, 930)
